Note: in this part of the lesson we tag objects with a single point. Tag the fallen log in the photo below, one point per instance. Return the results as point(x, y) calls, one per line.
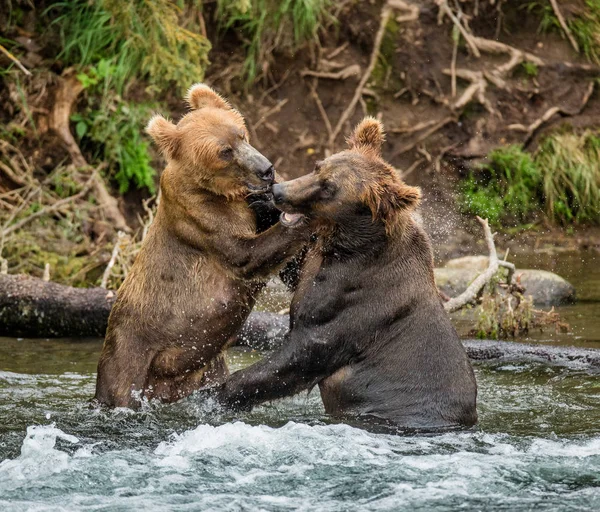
point(31, 307)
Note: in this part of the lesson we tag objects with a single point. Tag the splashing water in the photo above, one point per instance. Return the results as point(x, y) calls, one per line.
point(537, 445)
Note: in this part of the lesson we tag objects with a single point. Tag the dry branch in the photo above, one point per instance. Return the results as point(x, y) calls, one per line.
point(15, 60)
point(51, 208)
point(412, 11)
point(113, 258)
point(347, 72)
point(564, 25)
point(437, 126)
point(476, 89)
point(270, 112)
point(475, 288)
point(516, 56)
point(445, 9)
point(315, 95)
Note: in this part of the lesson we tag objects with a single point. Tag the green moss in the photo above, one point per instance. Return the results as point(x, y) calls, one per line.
point(530, 69)
point(384, 75)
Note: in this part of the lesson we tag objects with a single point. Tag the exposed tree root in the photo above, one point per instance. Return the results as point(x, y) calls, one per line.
point(386, 12)
point(68, 90)
point(516, 56)
point(347, 72)
point(475, 90)
point(444, 9)
point(531, 129)
point(426, 134)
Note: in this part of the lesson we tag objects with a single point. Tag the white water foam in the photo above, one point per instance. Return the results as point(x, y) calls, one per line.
point(237, 466)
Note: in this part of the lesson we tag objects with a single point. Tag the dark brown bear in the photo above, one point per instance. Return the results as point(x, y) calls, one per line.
point(195, 279)
point(367, 323)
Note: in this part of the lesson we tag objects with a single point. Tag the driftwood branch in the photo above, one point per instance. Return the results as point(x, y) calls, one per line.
point(474, 289)
point(550, 113)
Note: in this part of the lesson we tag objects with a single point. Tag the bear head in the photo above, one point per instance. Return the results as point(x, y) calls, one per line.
point(209, 149)
point(351, 184)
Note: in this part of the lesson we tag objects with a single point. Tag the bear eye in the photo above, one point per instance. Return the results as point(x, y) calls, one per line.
point(327, 190)
point(226, 154)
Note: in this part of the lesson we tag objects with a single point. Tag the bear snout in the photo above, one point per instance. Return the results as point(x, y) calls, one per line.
point(278, 195)
point(267, 175)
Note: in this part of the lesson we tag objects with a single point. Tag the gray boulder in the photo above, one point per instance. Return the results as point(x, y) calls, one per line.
point(546, 288)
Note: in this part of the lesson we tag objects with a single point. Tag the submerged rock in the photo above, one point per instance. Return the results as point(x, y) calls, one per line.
point(546, 288)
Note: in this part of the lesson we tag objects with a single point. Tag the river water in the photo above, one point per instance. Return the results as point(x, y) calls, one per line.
point(537, 446)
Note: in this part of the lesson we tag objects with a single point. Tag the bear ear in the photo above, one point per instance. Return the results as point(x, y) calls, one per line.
point(368, 134)
point(201, 95)
point(386, 199)
point(165, 134)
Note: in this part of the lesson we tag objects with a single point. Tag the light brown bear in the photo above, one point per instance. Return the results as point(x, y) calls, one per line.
point(366, 322)
point(201, 265)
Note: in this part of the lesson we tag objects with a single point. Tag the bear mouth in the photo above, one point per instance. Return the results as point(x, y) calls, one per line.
point(259, 190)
point(291, 219)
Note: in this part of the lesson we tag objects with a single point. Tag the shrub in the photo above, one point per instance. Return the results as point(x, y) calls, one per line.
point(509, 184)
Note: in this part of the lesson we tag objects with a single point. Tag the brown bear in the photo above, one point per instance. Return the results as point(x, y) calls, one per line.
point(201, 265)
point(366, 321)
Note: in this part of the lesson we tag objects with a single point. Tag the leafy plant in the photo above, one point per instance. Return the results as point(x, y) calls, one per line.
point(112, 133)
point(509, 184)
point(530, 69)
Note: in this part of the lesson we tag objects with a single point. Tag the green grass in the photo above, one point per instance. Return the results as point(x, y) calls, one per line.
point(112, 133)
point(571, 177)
point(530, 69)
point(561, 179)
point(267, 25)
point(140, 38)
